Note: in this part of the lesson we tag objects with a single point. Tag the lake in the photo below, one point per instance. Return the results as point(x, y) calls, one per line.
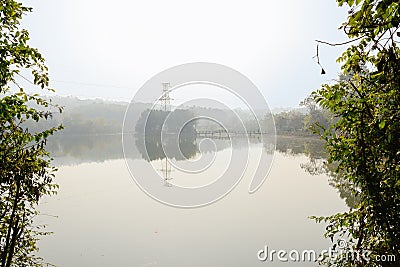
point(100, 217)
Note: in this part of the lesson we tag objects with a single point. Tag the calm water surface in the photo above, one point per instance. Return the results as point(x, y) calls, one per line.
point(104, 219)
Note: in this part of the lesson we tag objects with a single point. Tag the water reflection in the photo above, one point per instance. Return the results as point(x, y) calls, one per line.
point(78, 149)
point(117, 225)
point(153, 148)
point(316, 164)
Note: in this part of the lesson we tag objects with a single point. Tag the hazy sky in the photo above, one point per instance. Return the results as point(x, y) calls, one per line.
point(108, 49)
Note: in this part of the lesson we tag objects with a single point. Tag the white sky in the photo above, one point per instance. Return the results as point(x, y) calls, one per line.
point(108, 49)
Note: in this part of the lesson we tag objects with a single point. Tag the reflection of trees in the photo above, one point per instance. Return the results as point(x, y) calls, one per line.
point(347, 190)
point(317, 164)
point(86, 146)
point(76, 149)
point(212, 145)
point(179, 148)
point(312, 147)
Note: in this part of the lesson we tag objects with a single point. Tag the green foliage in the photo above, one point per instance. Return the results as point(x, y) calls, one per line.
point(25, 171)
point(318, 119)
point(364, 145)
point(291, 123)
point(153, 122)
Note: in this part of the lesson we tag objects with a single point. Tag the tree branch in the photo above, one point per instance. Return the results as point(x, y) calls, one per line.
point(337, 44)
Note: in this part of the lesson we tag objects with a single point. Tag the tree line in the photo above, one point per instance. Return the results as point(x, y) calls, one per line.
point(97, 117)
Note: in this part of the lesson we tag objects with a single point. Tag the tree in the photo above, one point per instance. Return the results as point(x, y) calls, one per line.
point(364, 143)
point(290, 123)
point(25, 171)
point(317, 118)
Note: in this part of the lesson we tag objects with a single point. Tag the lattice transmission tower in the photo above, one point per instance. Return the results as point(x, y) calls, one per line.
point(165, 102)
point(165, 98)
